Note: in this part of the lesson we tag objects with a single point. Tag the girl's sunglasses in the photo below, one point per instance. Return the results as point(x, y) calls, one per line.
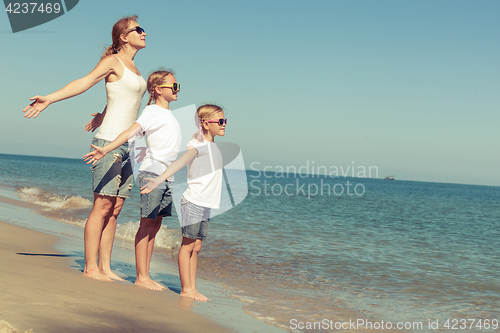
point(137, 29)
point(220, 121)
point(176, 87)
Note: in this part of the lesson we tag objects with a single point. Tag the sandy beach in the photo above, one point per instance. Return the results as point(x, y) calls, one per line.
point(42, 288)
point(39, 292)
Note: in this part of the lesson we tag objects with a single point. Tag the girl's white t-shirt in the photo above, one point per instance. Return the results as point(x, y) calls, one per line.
point(204, 175)
point(163, 136)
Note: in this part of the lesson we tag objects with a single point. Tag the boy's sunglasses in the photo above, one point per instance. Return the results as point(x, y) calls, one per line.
point(176, 87)
point(137, 29)
point(220, 121)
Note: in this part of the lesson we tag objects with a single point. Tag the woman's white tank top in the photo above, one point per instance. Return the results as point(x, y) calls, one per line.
point(124, 101)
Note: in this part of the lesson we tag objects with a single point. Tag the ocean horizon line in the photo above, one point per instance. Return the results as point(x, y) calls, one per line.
point(304, 175)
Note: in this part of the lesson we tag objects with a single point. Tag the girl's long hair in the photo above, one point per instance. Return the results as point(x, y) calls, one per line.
point(203, 113)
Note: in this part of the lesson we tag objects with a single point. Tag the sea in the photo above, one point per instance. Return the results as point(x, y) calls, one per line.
point(319, 253)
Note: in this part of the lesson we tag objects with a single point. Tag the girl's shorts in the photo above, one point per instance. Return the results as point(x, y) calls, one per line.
point(112, 174)
point(157, 202)
point(195, 220)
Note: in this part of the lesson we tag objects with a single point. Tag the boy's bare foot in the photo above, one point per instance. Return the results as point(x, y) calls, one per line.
point(97, 275)
point(111, 275)
point(194, 295)
point(148, 283)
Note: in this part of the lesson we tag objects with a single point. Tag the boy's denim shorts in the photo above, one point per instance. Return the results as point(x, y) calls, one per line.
point(157, 202)
point(112, 174)
point(195, 220)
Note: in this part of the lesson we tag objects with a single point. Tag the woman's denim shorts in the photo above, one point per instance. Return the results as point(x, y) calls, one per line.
point(195, 220)
point(157, 202)
point(112, 174)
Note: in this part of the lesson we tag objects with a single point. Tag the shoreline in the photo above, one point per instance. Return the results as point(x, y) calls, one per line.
point(46, 292)
point(227, 308)
point(39, 292)
point(385, 256)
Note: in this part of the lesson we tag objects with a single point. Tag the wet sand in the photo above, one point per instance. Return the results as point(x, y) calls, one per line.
point(39, 292)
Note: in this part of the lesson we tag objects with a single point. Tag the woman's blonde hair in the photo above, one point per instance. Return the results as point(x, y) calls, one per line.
point(203, 113)
point(155, 79)
point(119, 29)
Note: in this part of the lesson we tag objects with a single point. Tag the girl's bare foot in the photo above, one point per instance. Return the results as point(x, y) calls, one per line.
point(203, 297)
point(96, 274)
point(194, 295)
point(148, 283)
point(159, 285)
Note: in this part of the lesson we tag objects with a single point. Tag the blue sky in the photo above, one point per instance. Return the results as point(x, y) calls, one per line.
point(410, 87)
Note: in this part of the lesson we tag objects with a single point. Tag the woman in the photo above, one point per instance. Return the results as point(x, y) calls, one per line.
point(112, 177)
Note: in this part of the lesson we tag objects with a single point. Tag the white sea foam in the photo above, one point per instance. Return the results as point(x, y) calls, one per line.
point(52, 201)
point(54, 204)
point(244, 299)
point(401, 251)
point(165, 238)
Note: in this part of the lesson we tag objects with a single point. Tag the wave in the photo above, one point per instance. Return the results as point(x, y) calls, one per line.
point(52, 201)
point(62, 208)
point(165, 238)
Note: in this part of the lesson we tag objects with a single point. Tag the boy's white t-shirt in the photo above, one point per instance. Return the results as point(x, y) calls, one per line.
point(204, 175)
point(163, 136)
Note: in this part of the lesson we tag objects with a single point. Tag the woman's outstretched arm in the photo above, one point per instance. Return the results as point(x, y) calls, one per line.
point(105, 67)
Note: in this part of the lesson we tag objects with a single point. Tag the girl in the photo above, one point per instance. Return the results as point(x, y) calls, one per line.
point(112, 177)
point(163, 136)
point(204, 176)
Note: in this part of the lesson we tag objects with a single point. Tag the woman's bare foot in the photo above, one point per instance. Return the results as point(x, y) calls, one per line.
point(111, 275)
point(148, 283)
point(194, 295)
point(96, 274)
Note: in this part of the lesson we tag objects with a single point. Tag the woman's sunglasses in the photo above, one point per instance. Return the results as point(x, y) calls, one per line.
point(176, 87)
point(220, 121)
point(137, 29)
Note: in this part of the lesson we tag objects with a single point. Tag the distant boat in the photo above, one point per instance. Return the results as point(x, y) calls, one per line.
point(389, 178)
